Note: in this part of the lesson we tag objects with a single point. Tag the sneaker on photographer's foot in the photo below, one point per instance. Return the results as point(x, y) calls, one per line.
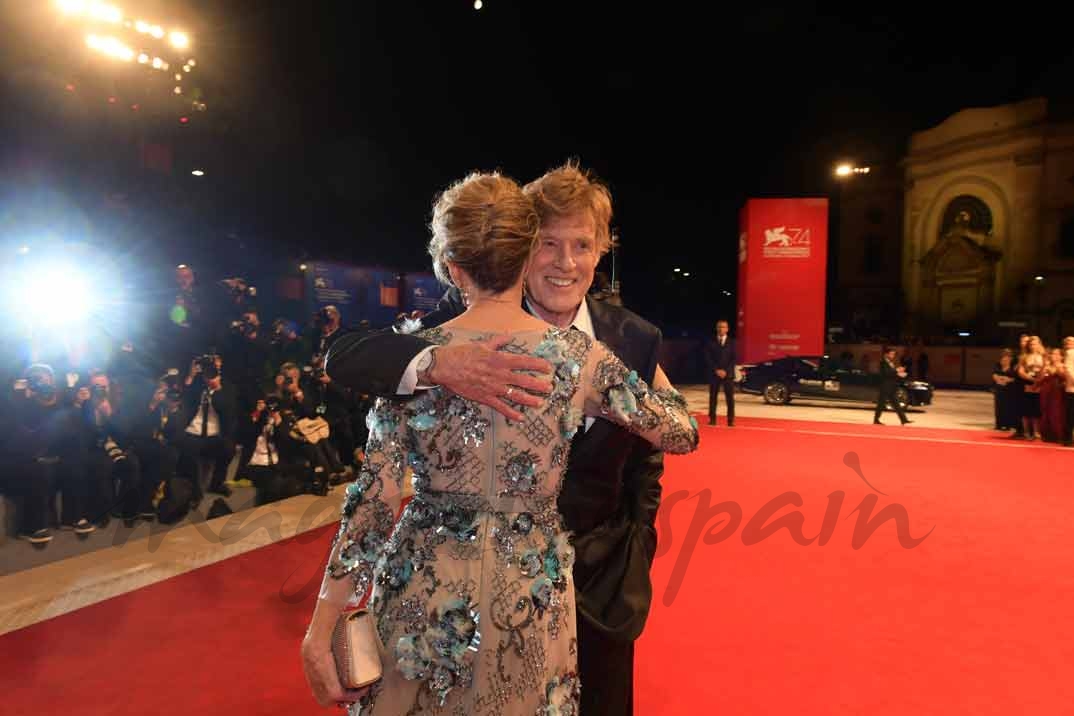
point(220, 490)
point(38, 537)
point(82, 527)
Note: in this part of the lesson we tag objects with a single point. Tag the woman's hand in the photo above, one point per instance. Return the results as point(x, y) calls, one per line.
point(320, 668)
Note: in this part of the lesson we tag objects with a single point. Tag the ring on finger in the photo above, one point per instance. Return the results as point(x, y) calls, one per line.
point(510, 389)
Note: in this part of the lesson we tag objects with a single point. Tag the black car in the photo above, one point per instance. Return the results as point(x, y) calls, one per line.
point(821, 378)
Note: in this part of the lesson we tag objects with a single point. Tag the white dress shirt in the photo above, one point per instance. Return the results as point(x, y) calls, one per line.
point(263, 456)
point(214, 420)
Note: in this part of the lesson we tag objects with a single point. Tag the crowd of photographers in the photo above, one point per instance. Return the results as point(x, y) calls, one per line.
point(146, 435)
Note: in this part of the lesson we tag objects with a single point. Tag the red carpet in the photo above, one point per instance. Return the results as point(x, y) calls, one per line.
point(975, 619)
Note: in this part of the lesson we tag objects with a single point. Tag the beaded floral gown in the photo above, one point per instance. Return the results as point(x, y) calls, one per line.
point(472, 588)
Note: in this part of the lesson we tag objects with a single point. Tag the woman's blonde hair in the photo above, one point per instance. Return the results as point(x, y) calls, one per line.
point(487, 227)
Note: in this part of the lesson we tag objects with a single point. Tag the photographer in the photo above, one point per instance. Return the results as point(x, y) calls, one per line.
point(240, 297)
point(286, 346)
point(247, 356)
point(108, 458)
point(335, 404)
point(300, 411)
point(187, 327)
point(273, 478)
point(43, 451)
point(156, 433)
point(327, 328)
point(209, 415)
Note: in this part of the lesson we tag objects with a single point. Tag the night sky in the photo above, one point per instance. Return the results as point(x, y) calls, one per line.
point(331, 126)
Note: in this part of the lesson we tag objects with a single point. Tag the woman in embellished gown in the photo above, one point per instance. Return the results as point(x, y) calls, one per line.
point(472, 588)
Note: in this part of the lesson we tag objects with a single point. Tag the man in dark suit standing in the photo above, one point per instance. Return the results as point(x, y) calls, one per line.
point(889, 376)
point(210, 414)
point(611, 491)
point(720, 363)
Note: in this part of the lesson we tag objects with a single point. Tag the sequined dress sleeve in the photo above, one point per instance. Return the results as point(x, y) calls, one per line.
point(373, 499)
point(614, 392)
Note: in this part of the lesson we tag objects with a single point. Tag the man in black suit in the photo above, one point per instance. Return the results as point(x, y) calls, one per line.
point(889, 377)
point(720, 362)
point(612, 487)
point(210, 414)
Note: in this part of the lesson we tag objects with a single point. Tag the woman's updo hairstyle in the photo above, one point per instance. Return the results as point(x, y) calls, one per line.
point(486, 226)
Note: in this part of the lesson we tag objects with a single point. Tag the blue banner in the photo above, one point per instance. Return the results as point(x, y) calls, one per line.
point(359, 293)
point(423, 290)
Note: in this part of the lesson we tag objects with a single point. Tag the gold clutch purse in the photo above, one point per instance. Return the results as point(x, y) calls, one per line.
point(356, 648)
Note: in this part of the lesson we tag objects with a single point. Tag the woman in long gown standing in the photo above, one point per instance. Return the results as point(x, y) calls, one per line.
point(1052, 389)
point(472, 588)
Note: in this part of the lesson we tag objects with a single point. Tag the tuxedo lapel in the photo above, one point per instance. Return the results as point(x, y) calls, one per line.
point(603, 326)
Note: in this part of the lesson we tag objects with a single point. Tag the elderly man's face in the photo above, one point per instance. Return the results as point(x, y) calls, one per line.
point(562, 267)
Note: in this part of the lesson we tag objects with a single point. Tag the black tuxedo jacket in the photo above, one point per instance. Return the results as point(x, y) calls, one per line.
point(224, 402)
point(720, 357)
point(612, 487)
point(889, 376)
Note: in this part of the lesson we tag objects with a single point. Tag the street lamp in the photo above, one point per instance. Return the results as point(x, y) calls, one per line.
point(845, 170)
point(179, 40)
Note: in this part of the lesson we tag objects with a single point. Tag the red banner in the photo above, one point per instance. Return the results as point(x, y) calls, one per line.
point(782, 267)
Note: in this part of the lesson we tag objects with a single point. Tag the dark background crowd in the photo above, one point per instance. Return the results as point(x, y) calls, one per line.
point(142, 429)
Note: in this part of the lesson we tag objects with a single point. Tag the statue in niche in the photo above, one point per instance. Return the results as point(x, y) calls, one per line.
point(962, 227)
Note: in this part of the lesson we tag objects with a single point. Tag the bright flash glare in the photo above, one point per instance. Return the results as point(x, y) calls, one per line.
point(51, 297)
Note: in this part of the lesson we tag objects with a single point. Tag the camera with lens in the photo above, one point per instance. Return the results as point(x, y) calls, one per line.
point(324, 317)
point(238, 287)
point(98, 391)
point(114, 452)
point(173, 388)
point(272, 407)
point(37, 383)
point(243, 327)
point(207, 363)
